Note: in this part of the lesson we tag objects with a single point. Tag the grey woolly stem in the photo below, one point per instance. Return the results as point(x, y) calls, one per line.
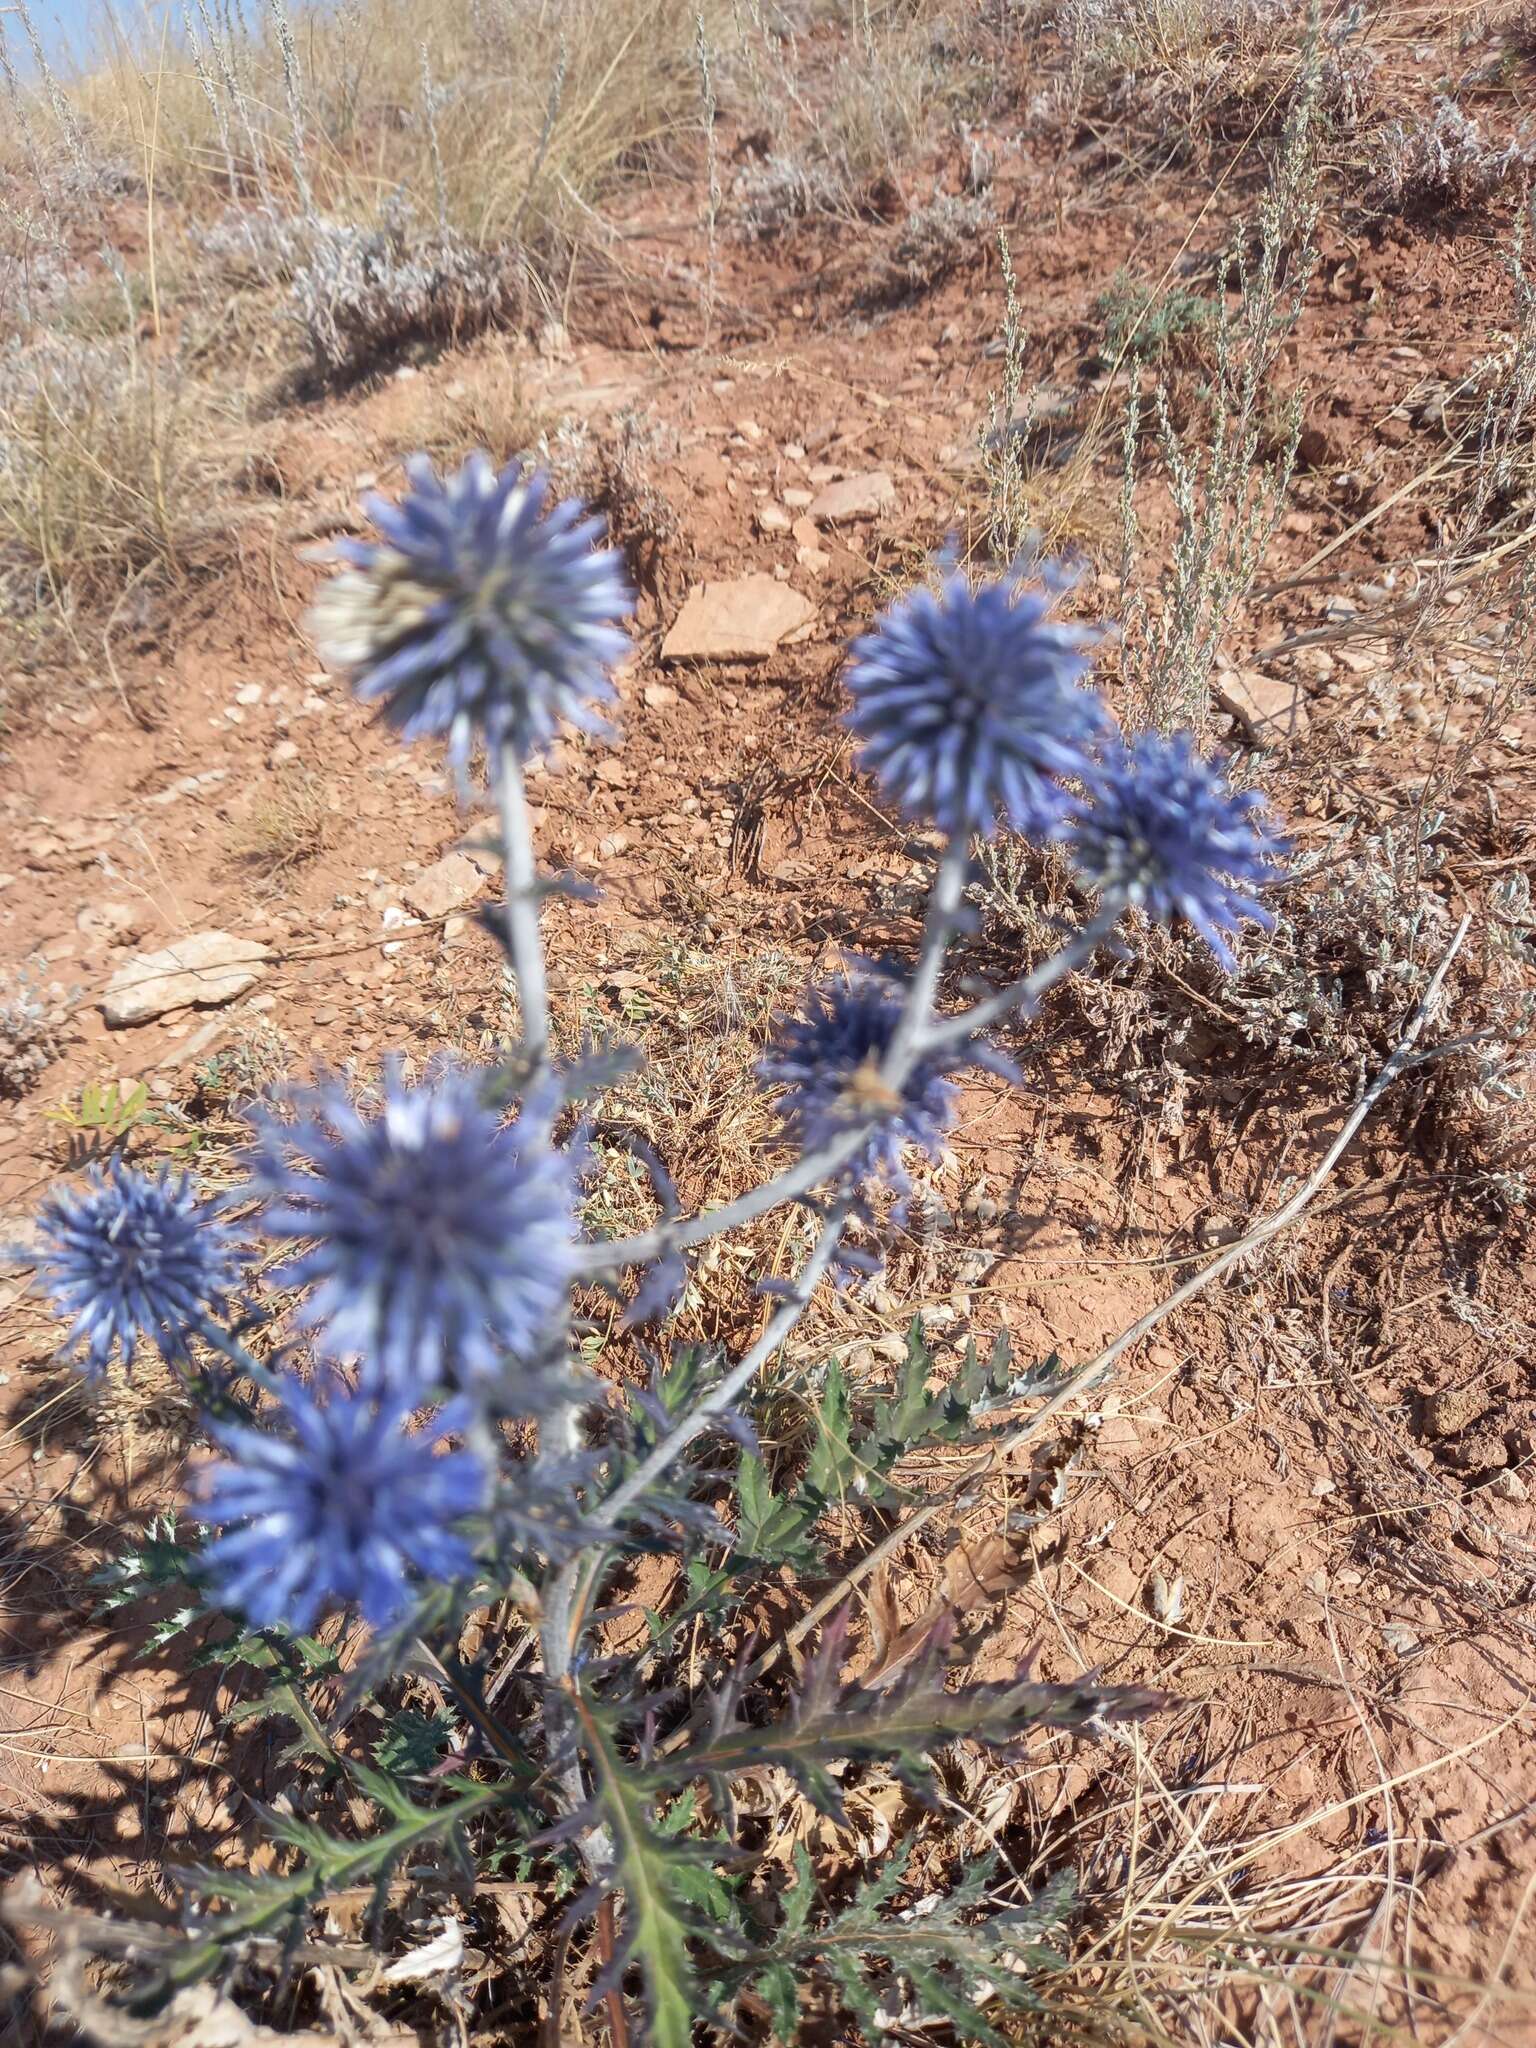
point(1023, 994)
point(559, 1630)
point(740, 1377)
point(820, 1166)
point(228, 1347)
point(943, 915)
point(522, 905)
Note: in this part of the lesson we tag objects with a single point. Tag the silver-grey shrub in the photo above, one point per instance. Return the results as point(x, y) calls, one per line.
point(1445, 161)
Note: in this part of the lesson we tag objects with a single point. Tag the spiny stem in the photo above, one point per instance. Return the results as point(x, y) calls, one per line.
point(522, 905)
point(740, 1377)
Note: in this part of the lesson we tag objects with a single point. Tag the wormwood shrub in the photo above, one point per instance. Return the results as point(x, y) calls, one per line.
point(410, 1439)
point(1442, 162)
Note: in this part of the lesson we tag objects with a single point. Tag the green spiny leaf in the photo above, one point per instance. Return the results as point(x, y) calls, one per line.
point(833, 1468)
point(646, 1864)
point(413, 1742)
point(902, 1724)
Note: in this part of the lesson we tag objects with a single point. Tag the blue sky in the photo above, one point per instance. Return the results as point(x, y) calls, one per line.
point(69, 30)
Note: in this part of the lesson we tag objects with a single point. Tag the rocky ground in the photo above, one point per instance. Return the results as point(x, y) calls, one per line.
point(1303, 1506)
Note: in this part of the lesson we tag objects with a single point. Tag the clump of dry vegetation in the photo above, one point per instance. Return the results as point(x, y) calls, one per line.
point(107, 456)
point(362, 294)
point(1186, 73)
point(356, 181)
point(33, 1025)
point(771, 194)
point(291, 821)
point(1444, 163)
point(931, 243)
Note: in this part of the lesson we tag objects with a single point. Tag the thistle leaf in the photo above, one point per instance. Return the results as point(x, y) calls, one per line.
point(902, 1725)
point(646, 1864)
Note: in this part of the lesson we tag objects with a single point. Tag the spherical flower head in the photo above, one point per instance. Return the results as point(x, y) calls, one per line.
point(333, 1503)
point(476, 615)
point(969, 707)
point(131, 1257)
point(442, 1239)
point(1160, 828)
point(827, 1063)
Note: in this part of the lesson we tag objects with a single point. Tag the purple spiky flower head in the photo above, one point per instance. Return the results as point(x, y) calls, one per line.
point(969, 705)
point(133, 1257)
point(439, 1240)
point(826, 1063)
point(1160, 828)
point(332, 1502)
point(478, 614)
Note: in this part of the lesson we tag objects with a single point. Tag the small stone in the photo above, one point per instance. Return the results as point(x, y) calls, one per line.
point(189, 785)
point(659, 696)
point(1270, 709)
point(1400, 1639)
point(743, 620)
point(854, 497)
point(446, 886)
point(111, 924)
point(205, 1039)
point(798, 499)
point(284, 752)
point(205, 970)
point(771, 518)
point(251, 693)
point(482, 845)
point(1457, 1408)
point(1508, 1485)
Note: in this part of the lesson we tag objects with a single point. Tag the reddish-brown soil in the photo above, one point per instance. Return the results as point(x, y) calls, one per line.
point(1355, 1640)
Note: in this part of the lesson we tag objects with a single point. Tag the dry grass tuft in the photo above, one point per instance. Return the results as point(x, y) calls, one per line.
point(505, 126)
point(108, 463)
point(291, 821)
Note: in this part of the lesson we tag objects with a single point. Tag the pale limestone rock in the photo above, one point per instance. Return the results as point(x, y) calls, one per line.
point(743, 620)
point(202, 971)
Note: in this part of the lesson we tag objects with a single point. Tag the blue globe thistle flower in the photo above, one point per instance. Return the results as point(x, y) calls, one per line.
point(969, 707)
point(133, 1256)
point(336, 1504)
point(1161, 829)
point(827, 1063)
point(475, 615)
point(443, 1240)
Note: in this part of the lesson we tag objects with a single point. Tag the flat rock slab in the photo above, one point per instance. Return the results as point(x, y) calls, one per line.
point(201, 972)
point(743, 620)
point(854, 497)
point(444, 887)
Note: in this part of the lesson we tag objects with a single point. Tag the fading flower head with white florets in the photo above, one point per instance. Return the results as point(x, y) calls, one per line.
point(483, 612)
